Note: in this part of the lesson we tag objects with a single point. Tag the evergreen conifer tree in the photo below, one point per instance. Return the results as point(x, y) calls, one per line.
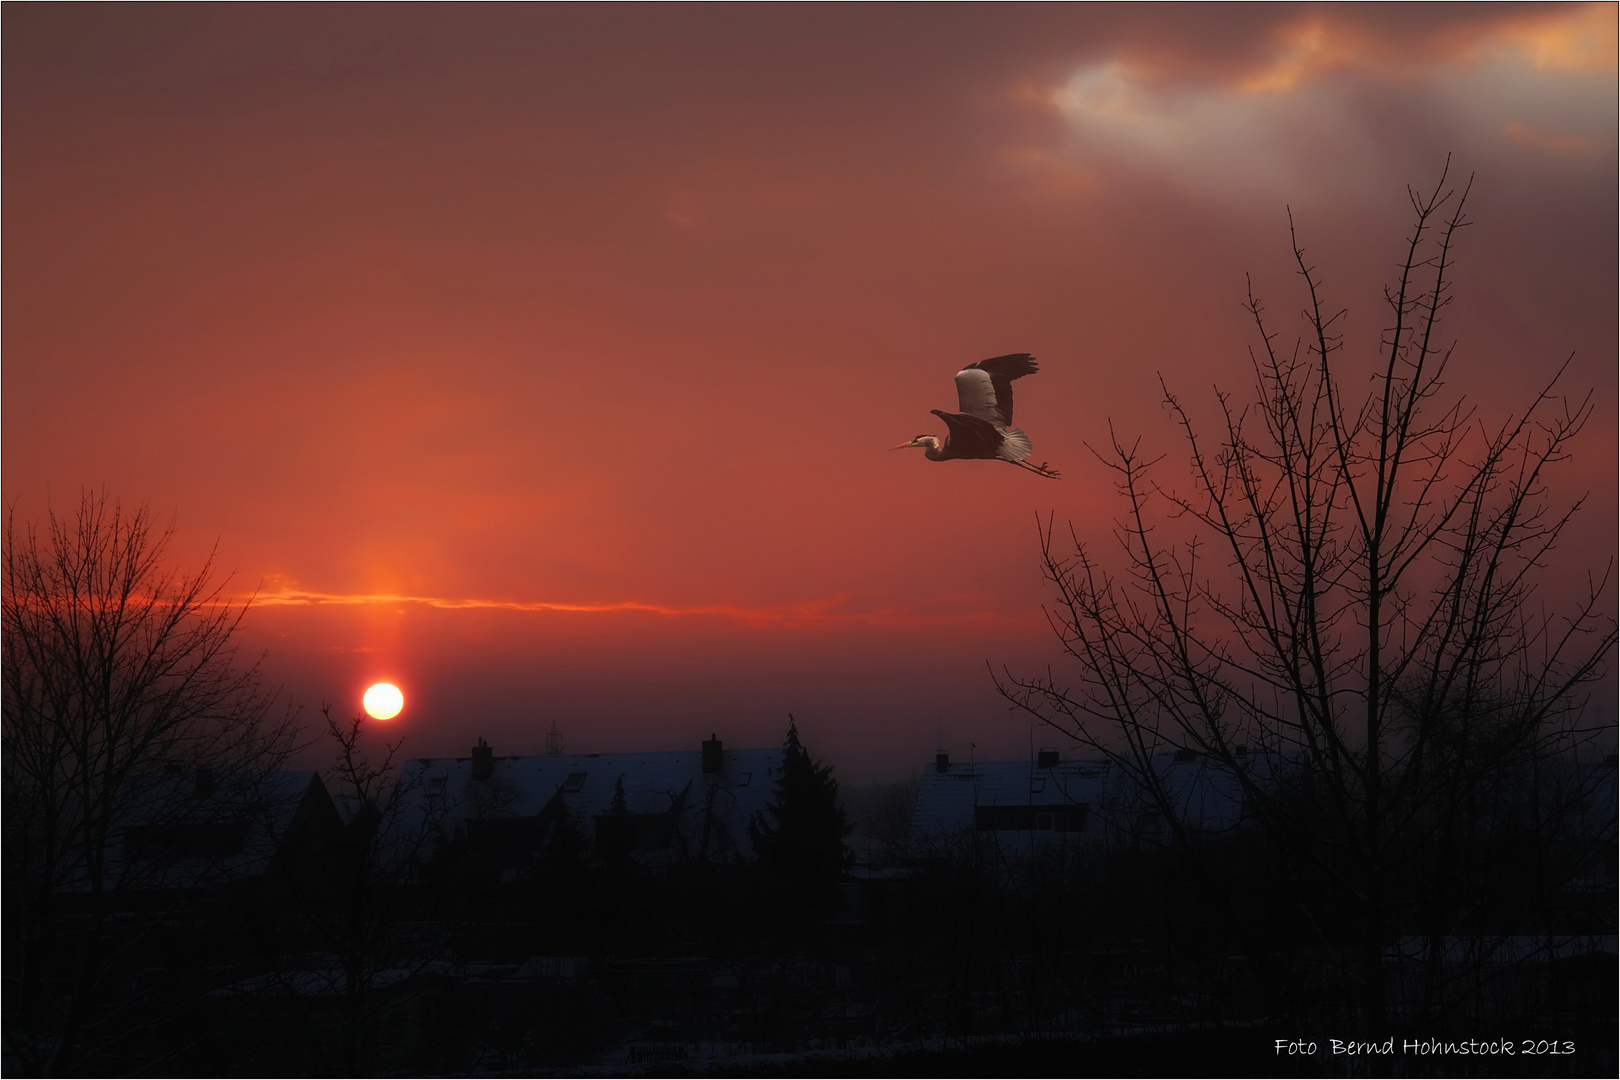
point(613, 831)
point(804, 836)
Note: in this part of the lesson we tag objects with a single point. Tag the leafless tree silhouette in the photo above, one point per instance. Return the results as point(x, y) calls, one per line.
point(349, 900)
point(124, 703)
point(1341, 615)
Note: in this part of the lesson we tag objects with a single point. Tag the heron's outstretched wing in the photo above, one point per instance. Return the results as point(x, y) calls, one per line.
point(985, 389)
point(970, 436)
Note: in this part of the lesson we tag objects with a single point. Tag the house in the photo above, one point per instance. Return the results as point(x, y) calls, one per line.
point(184, 830)
point(662, 808)
point(1103, 805)
point(1093, 804)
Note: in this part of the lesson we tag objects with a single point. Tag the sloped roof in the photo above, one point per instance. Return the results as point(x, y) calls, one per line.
point(1207, 797)
point(659, 782)
point(178, 834)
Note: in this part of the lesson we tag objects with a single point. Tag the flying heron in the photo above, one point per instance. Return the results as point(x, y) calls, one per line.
point(981, 429)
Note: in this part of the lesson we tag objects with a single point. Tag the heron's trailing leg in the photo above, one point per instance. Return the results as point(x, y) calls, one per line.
point(1043, 469)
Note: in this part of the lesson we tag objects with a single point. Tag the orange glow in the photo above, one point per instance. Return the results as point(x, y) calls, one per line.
point(383, 701)
point(548, 354)
point(1582, 39)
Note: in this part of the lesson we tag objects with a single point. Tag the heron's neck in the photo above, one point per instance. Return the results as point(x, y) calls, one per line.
point(935, 450)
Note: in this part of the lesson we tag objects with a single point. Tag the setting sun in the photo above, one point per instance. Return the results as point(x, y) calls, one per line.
point(383, 701)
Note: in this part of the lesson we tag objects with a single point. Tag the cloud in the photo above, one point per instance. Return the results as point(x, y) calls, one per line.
point(1578, 40)
point(1313, 105)
point(1579, 145)
point(1255, 134)
point(813, 612)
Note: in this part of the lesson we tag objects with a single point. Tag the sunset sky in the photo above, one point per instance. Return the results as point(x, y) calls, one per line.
point(544, 359)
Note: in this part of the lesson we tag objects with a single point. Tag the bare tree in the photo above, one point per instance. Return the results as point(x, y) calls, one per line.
point(350, 899)
point(882, 814)
point(120, 684)
point(1341, 615)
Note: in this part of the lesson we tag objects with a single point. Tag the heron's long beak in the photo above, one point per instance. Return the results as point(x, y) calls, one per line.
point(906, 445)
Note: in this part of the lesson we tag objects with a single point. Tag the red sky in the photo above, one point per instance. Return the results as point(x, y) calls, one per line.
point(544, 359)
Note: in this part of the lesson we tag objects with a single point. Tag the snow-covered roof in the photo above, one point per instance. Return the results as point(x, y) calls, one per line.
point(1105, 802)
point(671, 783)
point(185, 830)
point(1099, 801)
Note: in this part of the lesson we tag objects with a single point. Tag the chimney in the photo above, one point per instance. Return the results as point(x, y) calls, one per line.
point(1046, 759)
point(483, 760)
point(205, 784)
point(942, 762)
point(713, 758)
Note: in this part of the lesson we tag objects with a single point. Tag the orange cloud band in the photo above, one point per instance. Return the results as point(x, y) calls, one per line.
point(811, 612)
